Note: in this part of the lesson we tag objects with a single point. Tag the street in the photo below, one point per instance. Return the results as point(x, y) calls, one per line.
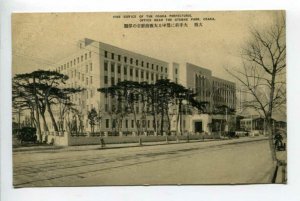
point(236, 161)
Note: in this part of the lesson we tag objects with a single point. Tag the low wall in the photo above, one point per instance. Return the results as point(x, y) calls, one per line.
point(65, 139)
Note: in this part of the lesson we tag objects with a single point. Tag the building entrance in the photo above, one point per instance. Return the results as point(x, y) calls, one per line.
point(198, 126)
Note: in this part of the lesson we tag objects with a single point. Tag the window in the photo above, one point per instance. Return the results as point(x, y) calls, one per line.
point(176, 71)
point(105, 66)
point(152, 66)
point(92, 94)
point(131, 72)
point(136, 62)
point(147, 75)
point(142, 74)
point(91, 67)
point(148, 124)
point(126, 123)
point(77, 59)
point(161, 69)
point(68, 65)
point(87, 81)
point(142, 64)
point(166, 70)
point(147, 65)
point(152, 76)
point(112, 68)
point(125, 70)
point(119, 69)
point(105, 54)
point(119, 57)
point(71, 62)
point(112, 81)
point(107, 123)
point(136, 73)
point(131, 60)
point(90, 54)
point(64, 66)
point(157, 67)
point(132, 123)
point(74, 61)
point(125, 59)
point(113, 123)
point(112, 56)
point(85, 56)
point(91, 79)
point(105, 79)
point(81, 57)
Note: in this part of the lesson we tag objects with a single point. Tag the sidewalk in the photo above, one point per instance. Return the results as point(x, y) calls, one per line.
point(126, 145)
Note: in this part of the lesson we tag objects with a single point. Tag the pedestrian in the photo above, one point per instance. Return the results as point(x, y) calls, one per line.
point(102, 142)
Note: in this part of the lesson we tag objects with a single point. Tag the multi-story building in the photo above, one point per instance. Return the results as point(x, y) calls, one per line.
point(99, 65)
point(215, 91)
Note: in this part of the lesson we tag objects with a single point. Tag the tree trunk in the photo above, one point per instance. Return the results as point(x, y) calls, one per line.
point(51, 116)
point(44, 122)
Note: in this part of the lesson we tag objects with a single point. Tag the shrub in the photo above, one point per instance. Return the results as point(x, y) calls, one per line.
point(27, 134)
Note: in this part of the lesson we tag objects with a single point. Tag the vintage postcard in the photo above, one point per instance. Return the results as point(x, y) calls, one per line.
point(149, 98)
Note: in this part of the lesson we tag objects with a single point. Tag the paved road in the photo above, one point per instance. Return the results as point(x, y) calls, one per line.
point(245, 160)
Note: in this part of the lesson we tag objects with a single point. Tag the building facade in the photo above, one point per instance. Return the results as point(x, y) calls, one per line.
point(99, 65)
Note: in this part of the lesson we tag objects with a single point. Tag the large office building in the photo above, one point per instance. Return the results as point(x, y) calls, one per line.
point(99, 65)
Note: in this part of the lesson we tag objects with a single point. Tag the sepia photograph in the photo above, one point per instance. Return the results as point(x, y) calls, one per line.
point(149, 98)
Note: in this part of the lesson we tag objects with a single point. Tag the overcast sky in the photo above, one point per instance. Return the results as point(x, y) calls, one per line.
point(39, 40)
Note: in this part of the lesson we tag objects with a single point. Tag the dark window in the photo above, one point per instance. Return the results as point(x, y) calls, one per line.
point(161, 69)
point(105, 79)
point(126, 123)
point(132, 123)
point(136, 73)
point(125, 59)
point(81, 57)
point(136, 62)
point(131, 60)
point(142, 64)
point(112, 68)
point(107, 123)
point(125, 70)
point(105, 54)
point(112, 56)
point(105, 66)
point(147, 65)
point(119, 69)
point(119, 57)
point(85, 56)
point(142, 74)
point(147, 75)
point(90, 54)
point(166, 70)
point(157, 67)
point(152, 66)
point(112, 81)
point(152, 76)
point(176, 71)
point(131, 72)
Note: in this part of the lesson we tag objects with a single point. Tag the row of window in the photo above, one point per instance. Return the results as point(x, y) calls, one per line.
point(114, 81)
point(137, 62)
point(73, 62)
point(112, 123)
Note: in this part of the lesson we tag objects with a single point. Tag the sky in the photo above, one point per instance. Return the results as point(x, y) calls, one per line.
point(41, 39)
